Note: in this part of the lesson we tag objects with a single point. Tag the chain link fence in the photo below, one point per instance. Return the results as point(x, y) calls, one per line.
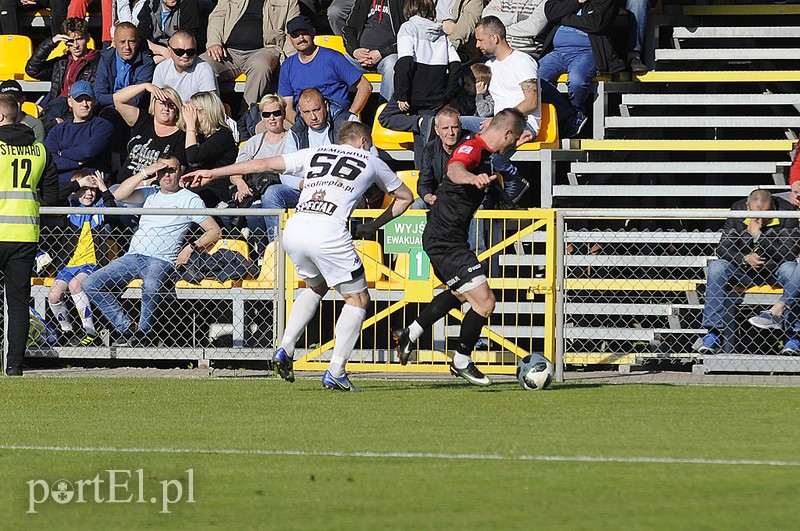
point(673, 285)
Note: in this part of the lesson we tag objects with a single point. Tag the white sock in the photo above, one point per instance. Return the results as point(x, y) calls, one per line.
point(81, 301)
point(415, 331)
point(460, 361)
point(59, 310)
point(303, 310)
point(348, 330)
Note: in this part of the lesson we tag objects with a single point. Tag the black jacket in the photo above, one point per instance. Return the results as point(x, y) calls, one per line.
point(778, 242)
point(596, 19)
point(22, 135)
point(434, 165)
point(351, 33)
point(39, 67)
point(184, 16)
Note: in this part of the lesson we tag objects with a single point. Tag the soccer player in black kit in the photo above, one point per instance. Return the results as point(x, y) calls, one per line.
point(445, 240)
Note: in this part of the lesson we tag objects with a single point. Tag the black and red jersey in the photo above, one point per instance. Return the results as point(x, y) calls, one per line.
point(456, 204)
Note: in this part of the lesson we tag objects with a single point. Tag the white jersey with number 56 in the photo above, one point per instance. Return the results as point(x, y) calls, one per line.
point(336, 177)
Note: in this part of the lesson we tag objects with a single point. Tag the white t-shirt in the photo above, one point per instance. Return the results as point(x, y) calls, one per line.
point(198, 78)
point(506, 78)
point(336, 176)
point(162, 236)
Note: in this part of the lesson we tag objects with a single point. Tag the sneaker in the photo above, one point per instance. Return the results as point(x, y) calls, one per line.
point(404, 345)
point(140, 339)
point(637, 66)
point(767, 320)
point(338, 384)
point(710, 344)
point(14, 370)
point(791, 347)
point(284, 365)
point(471, 374)
point(516, 188)
point(123, 339)
point(81, 339)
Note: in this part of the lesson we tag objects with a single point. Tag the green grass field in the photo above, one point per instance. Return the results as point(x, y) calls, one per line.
point(266, 454)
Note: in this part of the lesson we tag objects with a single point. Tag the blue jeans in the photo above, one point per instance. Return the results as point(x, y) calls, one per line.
point(637, 10)
point(277, 196)
point(579, 65)
point(721, 298)
point(104, 285)
point(385, 68)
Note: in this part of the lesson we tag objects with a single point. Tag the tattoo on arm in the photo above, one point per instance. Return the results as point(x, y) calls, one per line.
point(529, 86)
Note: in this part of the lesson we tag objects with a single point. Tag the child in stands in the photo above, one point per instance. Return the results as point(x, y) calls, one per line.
point(83, 243)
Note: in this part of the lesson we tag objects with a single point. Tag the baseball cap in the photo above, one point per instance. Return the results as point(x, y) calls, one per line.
point(81, 88)
point(300, 22)
point(12, 87)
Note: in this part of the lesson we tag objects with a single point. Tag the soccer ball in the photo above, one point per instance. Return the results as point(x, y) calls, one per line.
point(534, 371)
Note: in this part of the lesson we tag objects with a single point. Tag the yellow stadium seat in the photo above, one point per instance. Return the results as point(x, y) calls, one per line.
point(15, 50)
point(269, 270)
point(61, 49)
point(334, 42)
point(371, 254)
point(387, 139)
point(410, 178)
point(401, 267)
point(31, 108)
point(239, 246)
point(548, 131)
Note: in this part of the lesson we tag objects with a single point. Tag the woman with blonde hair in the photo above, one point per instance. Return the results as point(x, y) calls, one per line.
point(154, 134)
point(209, 144)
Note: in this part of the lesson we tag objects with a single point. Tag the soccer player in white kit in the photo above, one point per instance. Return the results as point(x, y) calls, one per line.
point(318, 240)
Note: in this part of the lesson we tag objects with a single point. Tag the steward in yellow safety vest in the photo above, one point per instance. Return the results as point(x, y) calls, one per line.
point(28, 177)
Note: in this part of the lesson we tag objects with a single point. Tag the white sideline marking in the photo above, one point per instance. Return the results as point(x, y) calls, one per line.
point(405, 455)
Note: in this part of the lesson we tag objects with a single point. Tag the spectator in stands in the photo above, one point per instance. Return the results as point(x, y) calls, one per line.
point(515, 77)
point(753, 251)
point(579, 45)
point(82, 243)
point(184, 70)
point(436, 155)
point(160, 19)
point(523, 20)
point(370, 38)
point(475, 99)
point(78, 63)
point(15, 89)
point(209, 144)
point(155, 250)
point(154, 134)
point(250, 38)
point(267, 143)
point(121, 65)
point(319, 67)
point(337, 13)
point(425, 75)
point(637, 23)
point(83, 142)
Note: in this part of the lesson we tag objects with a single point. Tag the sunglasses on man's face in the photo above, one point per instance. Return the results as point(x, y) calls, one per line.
point(189, 52)
point(267, 114)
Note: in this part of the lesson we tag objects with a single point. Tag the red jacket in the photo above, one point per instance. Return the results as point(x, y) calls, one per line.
point(794, 171)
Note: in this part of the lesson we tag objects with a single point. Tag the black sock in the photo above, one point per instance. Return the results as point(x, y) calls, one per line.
point(438, 308)
point(470, 332)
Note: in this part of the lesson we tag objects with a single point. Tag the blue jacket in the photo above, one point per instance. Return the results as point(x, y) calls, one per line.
point(83, 145)
point(142, 69)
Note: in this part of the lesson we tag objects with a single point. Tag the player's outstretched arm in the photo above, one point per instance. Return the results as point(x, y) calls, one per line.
point(200, 177)
point(460, 175)
point(403, 197)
